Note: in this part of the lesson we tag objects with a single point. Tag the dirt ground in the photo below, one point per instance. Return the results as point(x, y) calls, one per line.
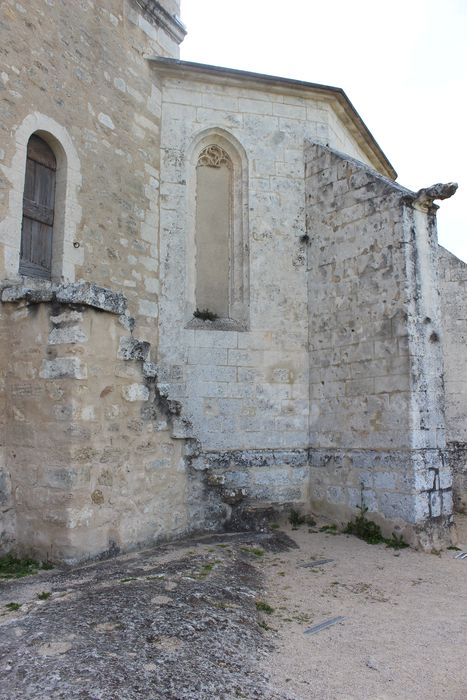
point(226, 616)
point(405, 629)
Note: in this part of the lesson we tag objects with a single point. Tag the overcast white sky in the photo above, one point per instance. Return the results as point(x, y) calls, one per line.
point(402, 63)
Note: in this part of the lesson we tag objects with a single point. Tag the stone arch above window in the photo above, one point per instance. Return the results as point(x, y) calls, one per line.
point(220, 252)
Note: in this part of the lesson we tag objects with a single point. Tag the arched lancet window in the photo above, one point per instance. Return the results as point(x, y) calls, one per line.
point(38, 210)
point(213, 231)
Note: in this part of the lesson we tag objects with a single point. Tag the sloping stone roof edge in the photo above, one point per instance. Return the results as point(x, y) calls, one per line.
point(383, 179)
point(159, 15)
point(452, 257)
point(343, 106)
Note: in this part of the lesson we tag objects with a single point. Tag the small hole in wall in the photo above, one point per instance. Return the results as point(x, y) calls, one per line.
point(305, 239)
point(434, 337)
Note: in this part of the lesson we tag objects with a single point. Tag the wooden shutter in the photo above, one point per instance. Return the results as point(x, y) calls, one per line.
point(38, 210)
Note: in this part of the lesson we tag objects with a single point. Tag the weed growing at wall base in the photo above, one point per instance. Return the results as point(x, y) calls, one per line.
point(370, 532)
point(364, 529)
point(11, 567)
point(296, 519)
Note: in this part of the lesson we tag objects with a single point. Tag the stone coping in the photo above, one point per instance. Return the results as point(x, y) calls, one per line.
point(85, 293)
point(159, 15)
point(251, 458)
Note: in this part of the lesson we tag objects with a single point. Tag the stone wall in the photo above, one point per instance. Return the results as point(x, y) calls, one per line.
point(96, 454)
point(7, 506)
point(376, 395)
point(78, 72)
point(328, 362)
point(453, 289)
point(245, 388)
point(368, 404)
point(75, 475)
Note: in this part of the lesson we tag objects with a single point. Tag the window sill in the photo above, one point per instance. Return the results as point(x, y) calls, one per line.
point(220, 324)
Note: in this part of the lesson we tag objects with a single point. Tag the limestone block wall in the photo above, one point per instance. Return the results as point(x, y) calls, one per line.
point(364, 311)
point(94, 455)
point(376, 393)
point(245, 389)
point(453, 291)
point(7, 509)
point(78, 73)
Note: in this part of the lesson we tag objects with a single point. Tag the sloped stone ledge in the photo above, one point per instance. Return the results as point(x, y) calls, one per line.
point(251, 458)
point(159, 16)
point(423, 198)
point(83, 293)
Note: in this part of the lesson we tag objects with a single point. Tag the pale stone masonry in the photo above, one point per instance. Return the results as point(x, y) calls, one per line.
point(376, 391)
point(453, 288)
point(129, 415)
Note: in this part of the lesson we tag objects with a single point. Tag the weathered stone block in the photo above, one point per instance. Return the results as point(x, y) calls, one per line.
point(132, 349)
point(135, 392)
point(67, 335)
point(63, 368)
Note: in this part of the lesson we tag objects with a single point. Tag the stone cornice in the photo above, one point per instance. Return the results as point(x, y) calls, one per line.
point(159, 15)
point(333, 95)
point(79, 293)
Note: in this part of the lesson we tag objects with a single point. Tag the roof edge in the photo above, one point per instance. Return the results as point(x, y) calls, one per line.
point(159, 15)
point(368, 143)
point(405, 192)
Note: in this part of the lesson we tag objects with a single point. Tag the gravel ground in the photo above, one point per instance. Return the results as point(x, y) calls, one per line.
point(404, 633)
point(225, 617)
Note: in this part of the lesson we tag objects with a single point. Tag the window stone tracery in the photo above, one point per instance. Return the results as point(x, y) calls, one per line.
point(217, 268)
point(214, 157)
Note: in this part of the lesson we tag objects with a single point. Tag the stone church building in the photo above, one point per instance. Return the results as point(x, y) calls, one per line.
point(216, 300)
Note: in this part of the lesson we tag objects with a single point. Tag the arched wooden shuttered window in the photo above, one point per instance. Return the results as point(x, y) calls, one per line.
point(38, 210)
point(213, 231)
